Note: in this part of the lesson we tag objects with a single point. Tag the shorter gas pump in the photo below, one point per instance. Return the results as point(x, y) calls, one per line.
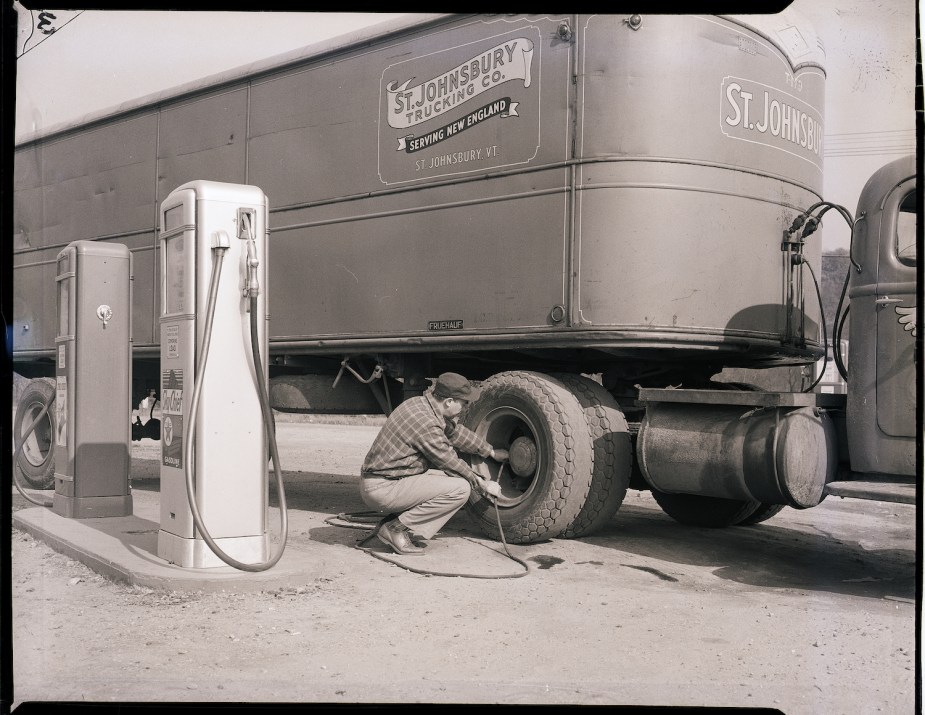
point(216, 422)
point(93, 381)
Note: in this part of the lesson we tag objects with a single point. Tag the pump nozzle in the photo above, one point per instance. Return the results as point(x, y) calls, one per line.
point(252, 288)
point(246, 232)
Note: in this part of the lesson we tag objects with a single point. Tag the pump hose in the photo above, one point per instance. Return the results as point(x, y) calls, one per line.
point(219, 253)
point(369, 516)
point(22, 443)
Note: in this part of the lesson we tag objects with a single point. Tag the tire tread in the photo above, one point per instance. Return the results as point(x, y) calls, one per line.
point(612, 454)
point(571, 458)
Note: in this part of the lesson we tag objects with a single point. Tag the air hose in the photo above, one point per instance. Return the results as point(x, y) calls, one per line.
point(371, 517)
point(22, 443)
point(825, 329)
point(811, 225)
point(219, 253)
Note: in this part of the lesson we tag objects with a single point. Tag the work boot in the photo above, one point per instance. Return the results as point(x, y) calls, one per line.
point(398, 537)
point(418, 541)
point(415, 539)
point(385, 520)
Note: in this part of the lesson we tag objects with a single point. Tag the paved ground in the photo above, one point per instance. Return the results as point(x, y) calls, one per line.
point(811, 612)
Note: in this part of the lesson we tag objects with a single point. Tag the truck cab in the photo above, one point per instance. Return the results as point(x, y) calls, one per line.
point(881, 424)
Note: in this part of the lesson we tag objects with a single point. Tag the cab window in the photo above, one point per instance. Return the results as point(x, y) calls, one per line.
point(905, 230)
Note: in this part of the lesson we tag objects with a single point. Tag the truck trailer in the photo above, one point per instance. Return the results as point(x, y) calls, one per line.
point(598, 217)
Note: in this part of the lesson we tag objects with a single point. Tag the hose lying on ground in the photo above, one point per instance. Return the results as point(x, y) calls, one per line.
point(370, 520)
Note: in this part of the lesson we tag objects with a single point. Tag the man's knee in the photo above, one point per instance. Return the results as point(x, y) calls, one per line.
point(461, 489)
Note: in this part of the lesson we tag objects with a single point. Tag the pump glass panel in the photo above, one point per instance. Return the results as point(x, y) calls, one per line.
point(178, 278)
point(173, 218)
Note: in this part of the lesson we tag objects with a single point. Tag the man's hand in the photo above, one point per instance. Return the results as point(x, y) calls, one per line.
point(500, 455)
point(491, 489)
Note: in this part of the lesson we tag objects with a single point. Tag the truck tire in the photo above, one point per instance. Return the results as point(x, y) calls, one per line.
point(711, 512)
point(762, 513)
point(36, 460)
point(545, 485)
point(612, 454)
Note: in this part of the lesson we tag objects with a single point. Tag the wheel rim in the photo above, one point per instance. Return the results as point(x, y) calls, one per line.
point(37, 447)
point(511, 429)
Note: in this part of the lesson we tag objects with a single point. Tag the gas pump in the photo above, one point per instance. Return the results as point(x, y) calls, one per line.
point(93, 380)
point(216, 421)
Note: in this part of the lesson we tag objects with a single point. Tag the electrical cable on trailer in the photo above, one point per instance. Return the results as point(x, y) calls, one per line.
point(375, 519)
point(251, 290)
point(812, 223)
point(377, 374)
point(840, 322)
point(825, 337)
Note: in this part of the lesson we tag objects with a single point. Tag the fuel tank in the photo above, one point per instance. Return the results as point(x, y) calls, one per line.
point(767, 453)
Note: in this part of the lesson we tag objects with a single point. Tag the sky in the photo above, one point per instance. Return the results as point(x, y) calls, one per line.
point(101, 58)
point(98, 59)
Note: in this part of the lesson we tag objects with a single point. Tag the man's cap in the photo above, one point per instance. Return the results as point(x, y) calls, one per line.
point(451, 384)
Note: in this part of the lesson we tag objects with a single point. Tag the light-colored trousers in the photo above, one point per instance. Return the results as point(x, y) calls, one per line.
point(424, 502)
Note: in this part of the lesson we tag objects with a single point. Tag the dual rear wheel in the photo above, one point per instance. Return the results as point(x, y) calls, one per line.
point(570, 455)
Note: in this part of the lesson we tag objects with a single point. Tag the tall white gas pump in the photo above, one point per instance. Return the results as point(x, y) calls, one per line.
point(93, 377)
point(216, 422)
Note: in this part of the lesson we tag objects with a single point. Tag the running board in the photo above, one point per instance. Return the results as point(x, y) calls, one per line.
point(900, 490)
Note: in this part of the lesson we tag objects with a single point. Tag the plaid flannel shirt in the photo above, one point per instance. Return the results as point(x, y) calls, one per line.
point(416, 438)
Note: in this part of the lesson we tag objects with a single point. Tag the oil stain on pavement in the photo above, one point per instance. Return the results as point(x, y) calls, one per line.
point(648, 569)
point(546, 562)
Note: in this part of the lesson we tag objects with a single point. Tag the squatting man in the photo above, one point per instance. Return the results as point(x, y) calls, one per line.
point(421, 434)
